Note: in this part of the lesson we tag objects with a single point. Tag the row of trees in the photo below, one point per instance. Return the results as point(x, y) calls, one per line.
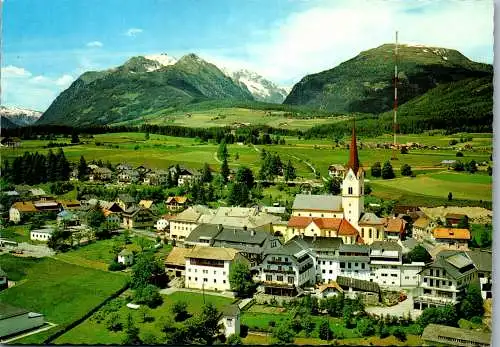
point(387, 171)
point(35, 168)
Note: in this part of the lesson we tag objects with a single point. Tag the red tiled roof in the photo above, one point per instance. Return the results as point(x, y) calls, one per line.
point(328, 223)
point(395, 225)
point(347, 229)
point(449, 233)
point(300, 222)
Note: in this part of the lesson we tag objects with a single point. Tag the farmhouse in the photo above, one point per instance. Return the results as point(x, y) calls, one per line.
point(146, 203)
point(336, 170)
point(454, 219)
point(328, 290)
point(385, 263)
point(182, 224)
point(128, 176)
point(452, 238)
point(14, 320)
point(67, 218)
point(101, 174)
point(208, 267)
point(163, 222)
point(175, 203)
point(175, 263)
point(20, 209)
point(442, 334)
point(125, 201)
point(422, 228)
point(138, 217)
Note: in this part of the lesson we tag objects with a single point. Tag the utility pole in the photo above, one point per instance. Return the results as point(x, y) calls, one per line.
point(396, 80)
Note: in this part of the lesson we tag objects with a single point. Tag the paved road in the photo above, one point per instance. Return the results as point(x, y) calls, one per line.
point(29, 250)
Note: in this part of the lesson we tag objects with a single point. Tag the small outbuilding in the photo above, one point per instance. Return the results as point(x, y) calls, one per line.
point(126, 257)
point(231, 320)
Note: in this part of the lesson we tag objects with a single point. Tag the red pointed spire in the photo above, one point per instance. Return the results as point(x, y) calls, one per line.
point(353, 152)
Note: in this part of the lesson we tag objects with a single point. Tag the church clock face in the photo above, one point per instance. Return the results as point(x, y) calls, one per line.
point(351, 177)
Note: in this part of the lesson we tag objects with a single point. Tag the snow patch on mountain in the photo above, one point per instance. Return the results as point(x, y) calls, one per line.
point(162, 58)
point(20, 116)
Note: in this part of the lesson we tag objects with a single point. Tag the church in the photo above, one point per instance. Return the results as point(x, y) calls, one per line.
point(338, 215)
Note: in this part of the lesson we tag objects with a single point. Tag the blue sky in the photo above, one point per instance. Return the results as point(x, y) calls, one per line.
point(48, 44)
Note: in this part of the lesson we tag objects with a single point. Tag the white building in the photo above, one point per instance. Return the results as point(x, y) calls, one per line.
point(355, 261)
point(41, 234)
point(231, 320)
point(208, 267)
point(161, 224)
point(126, 257)
point(386, 259)
point(410, 274)
point(182, 224)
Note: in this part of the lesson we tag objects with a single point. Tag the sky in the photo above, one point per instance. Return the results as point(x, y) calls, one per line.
point(46, 45)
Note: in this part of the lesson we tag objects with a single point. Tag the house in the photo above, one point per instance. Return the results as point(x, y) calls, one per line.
point(70, 205)
point(125, 201)
point(123, 167)
point(175, 203)
point(436, 334)
point(4, 283)
point(10, 142)
point(386, 259)
point(138, 217)
point(394, 228)
point(354, 261)
point(43, 234)
point(126, 257)
point(128, 176)
point(371, 228)
point(444, 281)
point(146, 203)
point(14, 320)
point(453, 219)
point(208, 267)
point(410, 274)
point(352, 287)
point(250, 242)
point(175, 263)
point(322, 227)
point(231, 320)
point(328, 290)
point(452, 238)
point(142, 171)
point(101, 174)
point(336, 170)
point(448, 162)
point(483, 261)
point(184, 175)
point(182, 224)
point(112, 211)
point(20, 209)
point(156, 177)
point(422, 228)
point(249, 217)
point(67, 218)
point(285, 270)
point(162, 223)
point(47, 206)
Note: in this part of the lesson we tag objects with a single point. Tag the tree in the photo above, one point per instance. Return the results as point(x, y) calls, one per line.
point(59, 239)
point(459, 154)
point(283, 333)
point(290, 173)
point(472, 166)
point(222, 151)
point(113, 322)
point(376, 169)
point(238, 194)
point(146, 136)
point(446, 315)
point(82, 169)
point(234, 340)
point(333, 185)
point(308, 325)
point(245, 175)
point(325, 333)
point(95, 217)
point(62, 168)
point(131, 333)
point(472, 304)
point(406, 170)
point(74, 138)
point(490, 170)
point(224, 170)
point(147, 270)
point(365, 327)
point(204, 327)
point(150, 338)
point(148, 295)
point(179, 310)
point(450, 196)
point(399, 333)
point(458, 166)
point(387, 171)
point(206, 175)
point(144, 314)
point(419, 254)
point(463, 223)
point(240, 279)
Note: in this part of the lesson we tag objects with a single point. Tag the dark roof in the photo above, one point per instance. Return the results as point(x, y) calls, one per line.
point(203, 230)
point(242, 236)
point(231, 310)
point(353, 162)
point(125, 198)
point(483, 260)
point(330, 243)
point(354, 248)
point(404, 209)
point(386, 245)
point(290, 248)
point(317, 202)
point(455, 215)
point(8, 311)
point(455, 263)
point(435, 332)
point(357, 284)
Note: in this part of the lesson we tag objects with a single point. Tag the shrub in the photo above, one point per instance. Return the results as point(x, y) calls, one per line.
point(459, 154)
point(113, 322)
point(399, 334)
point(115, 266)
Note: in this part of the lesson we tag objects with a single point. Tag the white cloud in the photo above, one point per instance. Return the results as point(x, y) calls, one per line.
point(21, 88)
point(15, 72)
point(329, 33)
point(133, 32)
point(94, 44)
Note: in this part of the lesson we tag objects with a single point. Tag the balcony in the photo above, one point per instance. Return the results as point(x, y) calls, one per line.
point(283, 271)
point(279, 262)
point(433, 299)
point(440, 287)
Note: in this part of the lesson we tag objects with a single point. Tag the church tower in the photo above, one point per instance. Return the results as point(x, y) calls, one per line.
point(353, 185)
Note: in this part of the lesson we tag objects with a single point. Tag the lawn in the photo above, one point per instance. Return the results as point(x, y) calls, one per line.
point(18, 233)
point(91, 332)
point(62, 292)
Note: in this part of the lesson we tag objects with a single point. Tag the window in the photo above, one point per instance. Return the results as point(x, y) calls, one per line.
point(342, 265)
point(378, 235)
point(290, 280)
point(279, 278)
point(189, 278)
point(349, 190)
point(349, 265)
point(407, 277)
point(331, 263)
point(215, 272)
point(229, 322)
point(394, 275)
point(224, 281)
point(432, 272)
point(322, 215)
point(205, 280)
point(363, 266)
point(370, 234)
point(196, 278)
point(224, 273)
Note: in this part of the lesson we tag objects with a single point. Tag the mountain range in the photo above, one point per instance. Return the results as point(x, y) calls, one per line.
point(428, 79)
point(15, 116)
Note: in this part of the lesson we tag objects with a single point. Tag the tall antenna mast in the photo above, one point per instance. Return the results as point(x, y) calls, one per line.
point(396, 80)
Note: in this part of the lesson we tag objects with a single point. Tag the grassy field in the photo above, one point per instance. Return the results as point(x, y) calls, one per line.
point(18, 233)
point(62, 292)
point(91, 332)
